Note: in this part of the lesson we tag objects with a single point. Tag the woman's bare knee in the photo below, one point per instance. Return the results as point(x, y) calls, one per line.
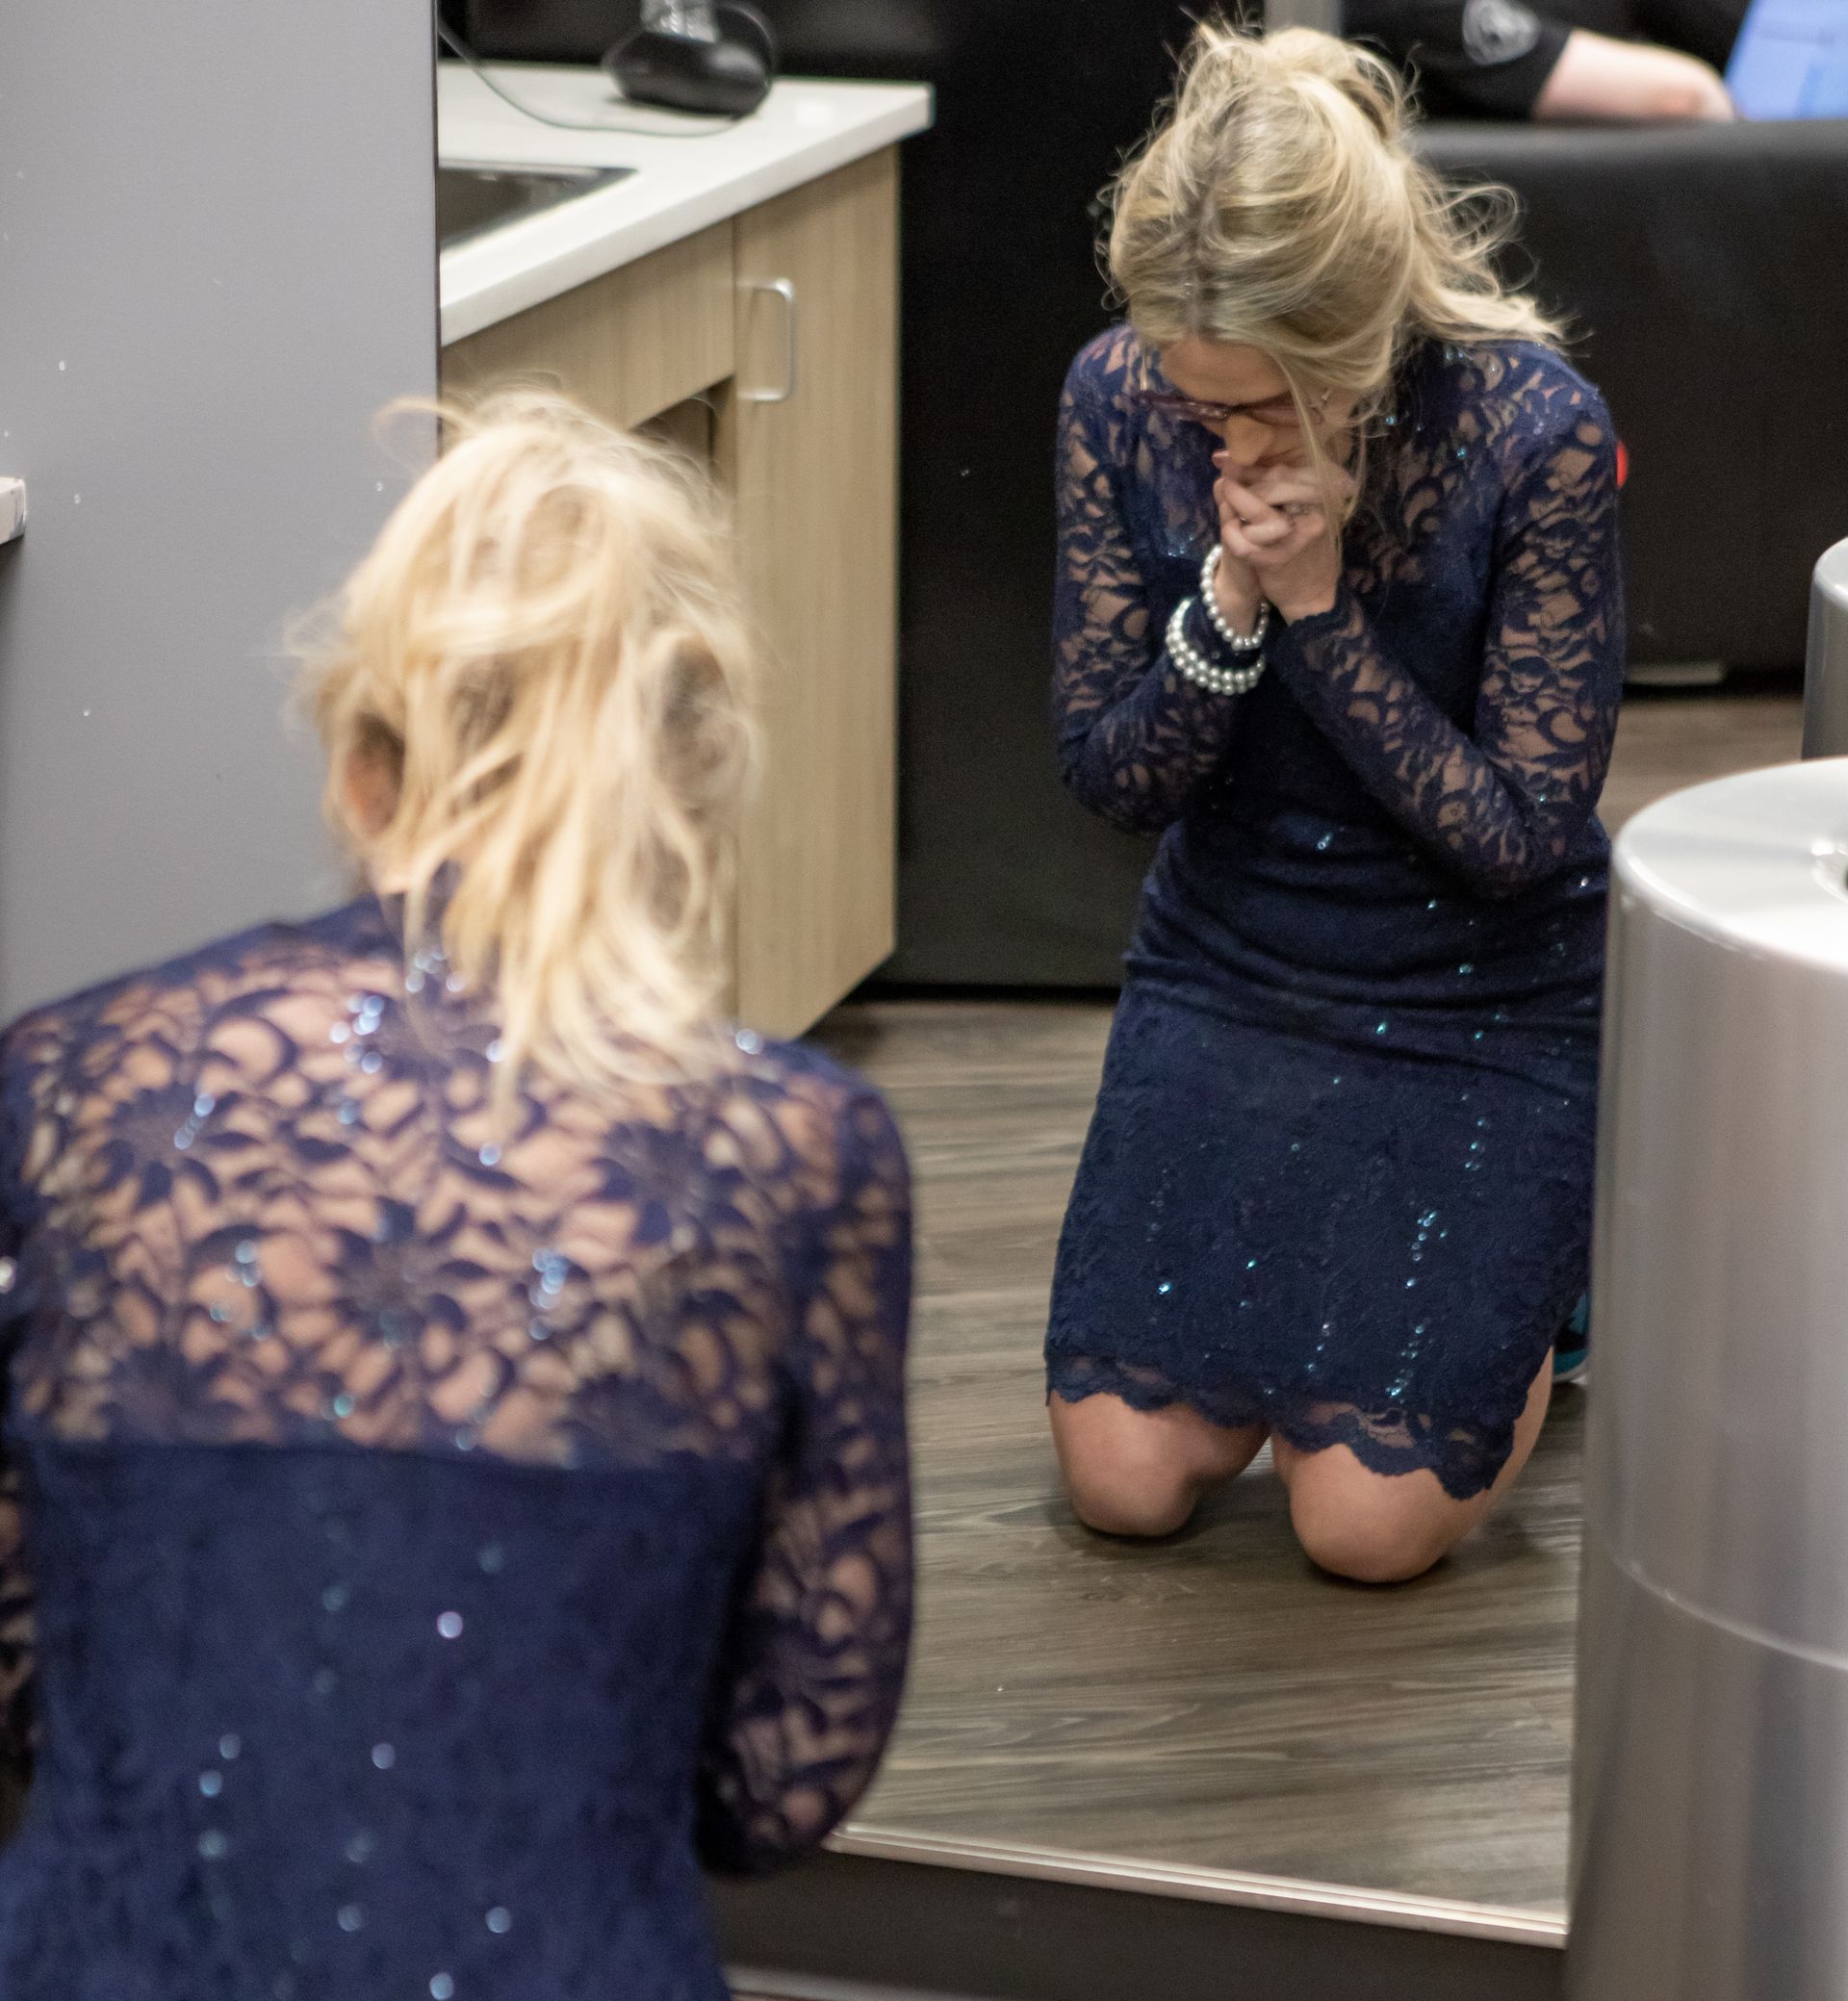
point(1373, 1529)
point(1112, 1504)
point(1387, 1528)
point(1142, 1472)
point(1372, 1553)
point(1120, 1480)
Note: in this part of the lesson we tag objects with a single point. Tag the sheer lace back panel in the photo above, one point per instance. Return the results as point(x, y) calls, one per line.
point(261, 1219)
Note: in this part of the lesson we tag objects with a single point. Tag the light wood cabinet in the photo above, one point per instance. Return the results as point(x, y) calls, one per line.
point(815, 480)
point(629, 345)
point(784, 326)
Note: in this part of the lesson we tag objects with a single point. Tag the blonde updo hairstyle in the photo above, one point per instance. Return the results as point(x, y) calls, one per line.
point(1277, 205)
point(542, 676)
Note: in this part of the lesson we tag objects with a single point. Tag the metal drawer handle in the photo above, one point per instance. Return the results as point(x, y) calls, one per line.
point(785, 291)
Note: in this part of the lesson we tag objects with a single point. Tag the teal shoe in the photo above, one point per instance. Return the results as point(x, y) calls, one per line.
point(1572, 1352)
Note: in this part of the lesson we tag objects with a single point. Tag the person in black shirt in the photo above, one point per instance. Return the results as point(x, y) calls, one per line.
point(1503, 59)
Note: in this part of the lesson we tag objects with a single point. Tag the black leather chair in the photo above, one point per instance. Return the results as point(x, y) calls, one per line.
point(1704, 268)
point(1699, 268)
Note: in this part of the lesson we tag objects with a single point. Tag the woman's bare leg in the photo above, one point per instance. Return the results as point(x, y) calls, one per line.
point(1385, 1528)
point(1144, 1471)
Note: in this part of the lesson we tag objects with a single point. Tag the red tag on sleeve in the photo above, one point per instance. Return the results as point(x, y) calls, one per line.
point(1623, 464)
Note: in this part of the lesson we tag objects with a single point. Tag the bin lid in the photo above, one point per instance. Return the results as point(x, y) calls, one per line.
point(1759, 860)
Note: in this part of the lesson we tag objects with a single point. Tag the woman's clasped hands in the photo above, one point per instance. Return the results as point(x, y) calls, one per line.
point(1276, 543)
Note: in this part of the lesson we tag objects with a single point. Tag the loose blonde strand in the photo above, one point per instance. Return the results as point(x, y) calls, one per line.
point(546, 650)
point(1279, 205)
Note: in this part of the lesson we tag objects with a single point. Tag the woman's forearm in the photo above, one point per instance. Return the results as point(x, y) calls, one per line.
point(1137, 759)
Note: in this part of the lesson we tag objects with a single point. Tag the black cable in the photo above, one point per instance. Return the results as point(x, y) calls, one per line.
point(475, 63)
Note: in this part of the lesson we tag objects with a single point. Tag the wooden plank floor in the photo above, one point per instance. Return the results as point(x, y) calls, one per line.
point(1210, 1699)
point(1665, 741)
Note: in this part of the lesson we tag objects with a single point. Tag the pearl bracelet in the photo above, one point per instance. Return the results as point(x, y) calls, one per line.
point(1239, 642)
point(1192, 664)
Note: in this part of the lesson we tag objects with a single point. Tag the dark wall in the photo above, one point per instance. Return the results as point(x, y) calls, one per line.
point(539, 31)
point(1002, 879)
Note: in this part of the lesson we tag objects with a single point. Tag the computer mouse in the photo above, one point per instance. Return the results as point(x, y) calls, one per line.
point(688, 73)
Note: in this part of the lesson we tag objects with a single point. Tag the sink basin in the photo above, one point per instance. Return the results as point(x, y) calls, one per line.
point(471, 197)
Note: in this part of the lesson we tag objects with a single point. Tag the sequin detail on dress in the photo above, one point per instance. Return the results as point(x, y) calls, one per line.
point(377, 1648)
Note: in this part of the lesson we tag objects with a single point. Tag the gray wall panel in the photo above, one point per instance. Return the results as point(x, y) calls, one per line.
point(218, 262)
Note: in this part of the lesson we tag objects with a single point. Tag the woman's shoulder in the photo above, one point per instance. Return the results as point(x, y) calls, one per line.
point(1497, 416)
point(815, 1135)
point(817, 1091)
point(1104, 369)
point(162, 997)
point(1523, 393)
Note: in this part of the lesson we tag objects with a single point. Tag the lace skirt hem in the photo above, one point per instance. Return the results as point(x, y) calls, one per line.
point(1467, 1456)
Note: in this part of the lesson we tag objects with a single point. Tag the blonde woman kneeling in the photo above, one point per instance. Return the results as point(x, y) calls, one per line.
point(1340, 616)
point(455, 1389)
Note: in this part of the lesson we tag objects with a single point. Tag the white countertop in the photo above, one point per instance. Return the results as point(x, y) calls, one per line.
point(680, 185)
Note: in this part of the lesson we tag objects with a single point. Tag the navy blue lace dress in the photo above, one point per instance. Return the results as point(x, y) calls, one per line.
point(425, 1542)
point(1338, 1177)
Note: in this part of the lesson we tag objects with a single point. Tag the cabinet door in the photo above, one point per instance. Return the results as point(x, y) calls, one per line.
point(629, 345)
point(815, 479)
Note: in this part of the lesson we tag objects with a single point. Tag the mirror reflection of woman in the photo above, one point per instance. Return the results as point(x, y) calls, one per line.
point(1340, 616)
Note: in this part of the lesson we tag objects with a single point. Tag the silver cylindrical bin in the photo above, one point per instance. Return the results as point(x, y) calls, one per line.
point(1711, 1792)
point(1825, 675)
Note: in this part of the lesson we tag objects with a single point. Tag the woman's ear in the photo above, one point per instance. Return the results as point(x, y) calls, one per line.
point(369, 788)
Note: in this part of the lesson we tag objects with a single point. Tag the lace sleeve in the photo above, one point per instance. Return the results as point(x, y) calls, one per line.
point(16, 1598)
point(17, 1609)
point(1504, 803)
point(816, 1659)
point(1136, 740)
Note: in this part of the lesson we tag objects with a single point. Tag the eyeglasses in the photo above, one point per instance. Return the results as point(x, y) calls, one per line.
point(1275, 413)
